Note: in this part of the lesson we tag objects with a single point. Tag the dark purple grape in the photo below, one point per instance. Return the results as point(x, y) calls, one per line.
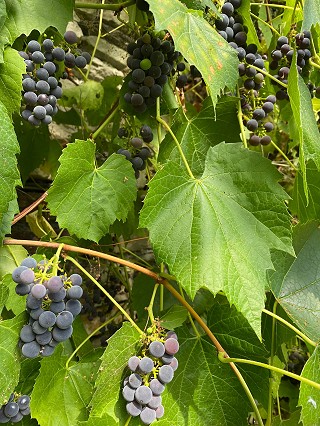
point(33, 46)
point(11, 409)
point(58, 54)
point(265, 140)
point(252, 125)
point(61, 335)
point(136, 142)
point(70, 37)
point(222, 22)
point(271, 98)
point(268, 126)
point(258, 114)
point(47, 319)
point(281, 41)
point(80, 61)
point(240, 38)
point(23, 402)
point(47, 45)
point(227, 9)
point(276, 55)
point(22, 289)
point(144, 153)
point(268, 107)
point(154, 72)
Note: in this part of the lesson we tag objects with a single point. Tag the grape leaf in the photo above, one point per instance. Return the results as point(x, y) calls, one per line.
point(3, 13)
point(197, 133)
point(123, 344)
point(87, 199)
point(88, 95)
point(57, 13)
point(203, 392)
point(11, 80)
point(244, 10)
point(9, 355)
point(99, 421)
point(309, 397)
point(293, 421)
point(202, 229)
point(299, 205)
point(10, 258)
point(7, 217)
point(72, 387)
point(9, 174)
point(174, 317)
point(304, 125)
point(15, 303)
point(299, 293)
point(199, 43)
point(311, 14)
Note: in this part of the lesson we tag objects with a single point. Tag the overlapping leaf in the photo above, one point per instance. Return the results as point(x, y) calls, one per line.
point(23, 16)
point(9, 174)
point(10, 258)
point(123, 344)
point(71, 388)
point(87, 199)
point(197, 133)
point(9, 355)
point(309, 397)
point(304, 125)
point(199, 43)
point(299, 293)
point(217, 231)
point(311, 14)
point(244, 10)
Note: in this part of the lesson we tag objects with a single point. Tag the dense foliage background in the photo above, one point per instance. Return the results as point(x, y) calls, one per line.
point(177, 170)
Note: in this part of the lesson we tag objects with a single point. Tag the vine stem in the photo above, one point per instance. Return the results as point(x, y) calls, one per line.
point(283, 155)
point(88, 338)
point(115, 107)
point(110, 6)
point(56, 259)
point(166, 125)
point(269, 75)
point(150, 307)
point(128, 421)
point(297, 331)
point(125, 314)
point(272, 353)
point(239, 115)
point(265, 23)
point(29, 209)
point(314, 64)
point(272, 5)
point(226, 359)
point(97, 41)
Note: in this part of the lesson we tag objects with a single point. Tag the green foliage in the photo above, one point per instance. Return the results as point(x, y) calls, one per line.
point(102, 194)
point(309, 399)
point(311, 14)
point(88, 95)
point(219, 204)
point(198, 43)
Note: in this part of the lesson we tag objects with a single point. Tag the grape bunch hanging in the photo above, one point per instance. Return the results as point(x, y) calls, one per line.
point(45, 65)
point(15, 409)
point(142, 389)
point(52, 303)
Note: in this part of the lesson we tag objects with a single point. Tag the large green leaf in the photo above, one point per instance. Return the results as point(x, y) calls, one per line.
point(203, 392)
point(87, 199)
point(197, 133)
point(99, 421)
point(9, 174)
point(244, 10)
point(199, 43)
point(309, 397)
point(303, 209)
point(9, 355)
point(304, 125)
point(15, 303)
point(123, 344)
point(67, 390)
point(11, 80)
point(299, 294)
point(23, 16)
point(10, 258)
point(311, 14)
point(217, 231)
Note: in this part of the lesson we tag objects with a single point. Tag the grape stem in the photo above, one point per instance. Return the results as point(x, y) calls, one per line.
point(114, 109)
point(283, 154)
point(265, 23)
point(298, 332)
point(97, 40)
point(314, 64)
point(29, 209)
point(239, 115)
point(222, 357)
point(125, 314)
point(168, 128)
point(128, 421)
point(150, 307)
point(55, 262)
point(112, 6)
point(281, 6)
point(89, 337)
point(269, 75)
point(271, 359)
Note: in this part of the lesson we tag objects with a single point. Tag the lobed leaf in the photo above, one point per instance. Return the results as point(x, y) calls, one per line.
point(87, 199)
point(199, 43)
point(217, 231)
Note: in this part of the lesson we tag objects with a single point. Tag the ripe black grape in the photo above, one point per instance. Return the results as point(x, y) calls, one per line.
point(70, 37)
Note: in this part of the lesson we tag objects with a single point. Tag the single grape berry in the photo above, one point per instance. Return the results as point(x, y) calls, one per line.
point(70, 37)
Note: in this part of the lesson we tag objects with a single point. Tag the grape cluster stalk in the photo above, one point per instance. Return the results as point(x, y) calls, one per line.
point(45, 65)
point(52, 303)
point(142, 389)
point(15, 409)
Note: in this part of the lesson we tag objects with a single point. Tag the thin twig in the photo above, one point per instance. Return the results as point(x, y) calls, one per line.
point(29, 209)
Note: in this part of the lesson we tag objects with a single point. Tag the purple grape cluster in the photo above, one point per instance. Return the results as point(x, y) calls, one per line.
point(135, 152)
point(15, 409)
point(52, 303)
point(151, 61)
point(45, 64)
point(142, 389)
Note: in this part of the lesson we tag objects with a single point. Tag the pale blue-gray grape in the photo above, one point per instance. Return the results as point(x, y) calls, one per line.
point(28, 85)
point(22, 289)
point(35, 313)
point(44, 338)
point(174, 364)
point(156, 387)
point(11, 409)
point(61, 335)
point(54, 284)
point(160, 412)
point(31, 350)
point(23, 402)
point(58, 53)
point(34, 121)
point(155, 402)
point(33, 46)
point(38, 291)
point(143, 395)
point(133, 363)
point(165, 374)
point(27, 334)
point(135, 380)
point(171, 346)
point(156, 349)
point(147, 415)
point(42, 74)
point(47, 350)
point(80, 61)
point(47, 45)
point(167, 359)
point(4, 418)
point(17, 272)
point(146, 365)
point(74, 306)
point(133, 408)
point(57, 296)
point(57, 307)
point(38, 57)
point(70, 37)
point(74, 292)
point(128, 393)
point(39, 112)
point(43, 87)
point(47, 319)
point(50, 67)
point(17, 418)
point(64, 320)
point(47, 120)
point(37, 328)
point(76, 279)
point(32, 302)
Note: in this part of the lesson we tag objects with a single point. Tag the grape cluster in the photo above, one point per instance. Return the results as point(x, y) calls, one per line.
point(15, 409)
point(282, 58)
point(45, 64)
point(151, 61)
point(149, 374)
point(230, 24)
point(52, 302)
point(136, 153)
